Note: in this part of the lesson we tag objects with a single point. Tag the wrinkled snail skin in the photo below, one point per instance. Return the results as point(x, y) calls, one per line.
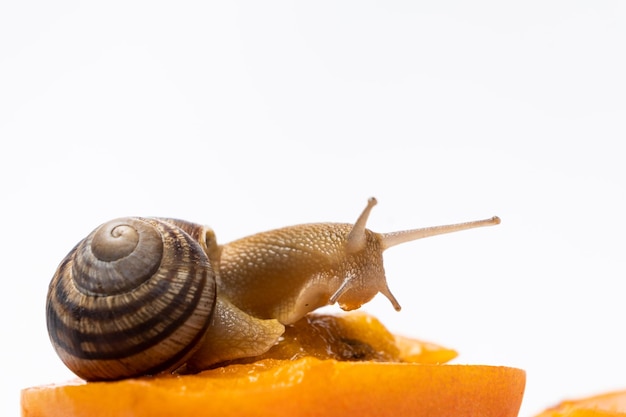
point(139, 296)
point(233, 334)
point(298, 269)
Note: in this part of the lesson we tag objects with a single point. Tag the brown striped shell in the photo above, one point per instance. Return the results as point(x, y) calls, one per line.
point(135, 297)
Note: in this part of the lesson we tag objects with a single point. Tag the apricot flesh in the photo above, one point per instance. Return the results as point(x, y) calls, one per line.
point(351, 337)
point(327, 366)
point(612, 404)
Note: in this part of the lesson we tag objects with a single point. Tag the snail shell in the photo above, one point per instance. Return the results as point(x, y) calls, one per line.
point(135, 297)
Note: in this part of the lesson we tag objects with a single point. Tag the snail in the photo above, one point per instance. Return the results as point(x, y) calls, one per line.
point(140, 296)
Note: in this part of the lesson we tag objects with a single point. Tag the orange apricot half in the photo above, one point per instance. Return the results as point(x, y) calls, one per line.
point(304, 387)
point(612, 404)
point(325, 366)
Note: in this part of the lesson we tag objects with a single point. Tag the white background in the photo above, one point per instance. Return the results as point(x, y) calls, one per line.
point(254, 115)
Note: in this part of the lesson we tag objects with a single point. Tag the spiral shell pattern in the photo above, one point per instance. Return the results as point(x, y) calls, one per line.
point(135, 297)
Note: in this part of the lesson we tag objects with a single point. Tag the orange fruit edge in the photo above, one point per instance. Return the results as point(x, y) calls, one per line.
point(610, 404)
point(305, 387)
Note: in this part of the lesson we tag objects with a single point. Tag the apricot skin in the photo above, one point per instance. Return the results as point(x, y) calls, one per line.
point(325, 366)
point(305, 387)
point(610, 404)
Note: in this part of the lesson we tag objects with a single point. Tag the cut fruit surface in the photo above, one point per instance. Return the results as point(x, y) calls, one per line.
point(611, 404)
point(325, 366)
point(305, 387)
point(351, 337)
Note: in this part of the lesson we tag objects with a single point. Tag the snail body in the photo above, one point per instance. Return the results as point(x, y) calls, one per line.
point(140, 296)
point(306, 267)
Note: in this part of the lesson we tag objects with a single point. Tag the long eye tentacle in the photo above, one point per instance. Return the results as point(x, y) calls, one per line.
point(403, 236)
point(357, 238)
